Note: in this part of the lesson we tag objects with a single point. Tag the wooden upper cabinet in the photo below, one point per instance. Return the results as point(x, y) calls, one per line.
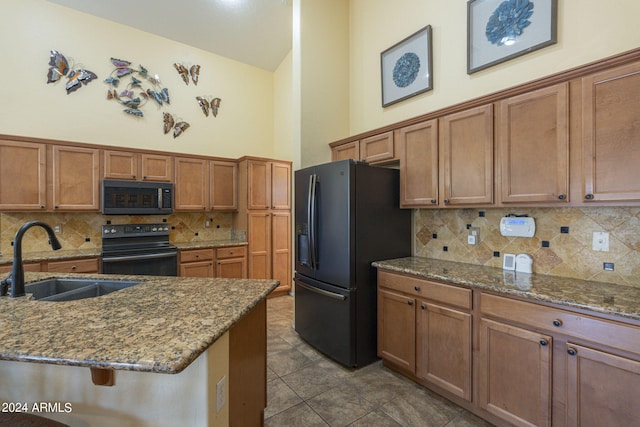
point(137, 166)
point(192, 184)
point(377, 148)
point(269, 185)
point(350, 150)
point(280, 185)
point(466, 157)
point(23, 167)
point(533, 139)
point(611, 135)
point(224, 185)
point(418, 152)
point(76, 178)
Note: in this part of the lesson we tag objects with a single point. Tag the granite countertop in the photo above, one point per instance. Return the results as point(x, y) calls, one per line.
point(599, 297)
point(210, 244)
point(160, 325)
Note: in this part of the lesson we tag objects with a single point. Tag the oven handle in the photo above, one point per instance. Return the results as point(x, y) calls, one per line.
point(321, 291)
point(137, 257)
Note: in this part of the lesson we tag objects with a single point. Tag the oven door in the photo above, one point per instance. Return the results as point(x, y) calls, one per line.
point(148, 264)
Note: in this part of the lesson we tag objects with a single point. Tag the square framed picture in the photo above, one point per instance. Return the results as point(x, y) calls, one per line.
point(406, 68)
point(500, 30)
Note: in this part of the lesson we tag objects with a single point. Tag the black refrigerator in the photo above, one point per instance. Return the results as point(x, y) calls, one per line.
point(347, 215)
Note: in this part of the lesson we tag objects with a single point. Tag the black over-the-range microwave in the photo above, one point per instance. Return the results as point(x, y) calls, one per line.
point(136, 197)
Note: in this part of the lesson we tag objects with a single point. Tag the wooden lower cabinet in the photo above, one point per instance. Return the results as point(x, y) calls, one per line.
point(511, 362)
point(226, 262)
point(514, 374)
point(602, 388)
point(197, 263)
point(231, 262)
point(82, 265)
point(6, 268)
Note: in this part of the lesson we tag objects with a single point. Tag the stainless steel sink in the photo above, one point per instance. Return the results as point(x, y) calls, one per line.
point(72, 289)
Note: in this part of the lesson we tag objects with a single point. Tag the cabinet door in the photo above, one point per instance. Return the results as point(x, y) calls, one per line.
point(280, 186)
point(155, 167)
point(350, 150)
point(377, 148)
point(443, 348)
point(397, 329)
point(602, 388)
point(281, 247)
point(121, 164)
point(514, 374)
point(197, 269)
point(76, 182)
point(224, 185)
point(466, 157)
point(533, 136)
point(418, 145)
point(232, 268)
point(610, 135)
point(259, 184)
point(192, 184)
point(23, 167)
point(259, 232)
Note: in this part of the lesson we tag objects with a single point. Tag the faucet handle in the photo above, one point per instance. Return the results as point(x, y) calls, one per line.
point(4, 286)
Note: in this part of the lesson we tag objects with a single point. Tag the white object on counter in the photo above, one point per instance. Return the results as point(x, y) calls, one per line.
point(524, 263)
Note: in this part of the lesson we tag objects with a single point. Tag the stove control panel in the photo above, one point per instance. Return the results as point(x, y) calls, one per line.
point(135, 230)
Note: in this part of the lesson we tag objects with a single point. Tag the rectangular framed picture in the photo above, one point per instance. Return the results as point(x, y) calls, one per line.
point(406, 68)
point(500, 30)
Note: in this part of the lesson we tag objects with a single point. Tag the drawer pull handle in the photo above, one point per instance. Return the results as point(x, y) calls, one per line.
point(572, 351)
point(557, 322)
point(433, 201)
point(417, 288)
point(561, 197)
point(544, 342)
point(410, 302)
point(73, 267)
point(588, 196)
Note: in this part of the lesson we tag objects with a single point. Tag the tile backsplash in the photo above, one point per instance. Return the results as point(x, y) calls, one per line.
point(84, 230)
point(442, 234)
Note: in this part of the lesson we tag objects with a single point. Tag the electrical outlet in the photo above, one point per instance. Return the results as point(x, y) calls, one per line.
point(221, 394)
point(57, 228)
point(600, 241)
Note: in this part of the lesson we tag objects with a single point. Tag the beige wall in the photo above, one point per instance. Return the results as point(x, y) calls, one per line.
point(587, 30)
point(31, 107)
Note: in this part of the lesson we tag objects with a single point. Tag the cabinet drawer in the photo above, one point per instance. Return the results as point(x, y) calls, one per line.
point(601, 331)
point(89, 265)
point(196, 255)
point(231, 252)
point(448, 294)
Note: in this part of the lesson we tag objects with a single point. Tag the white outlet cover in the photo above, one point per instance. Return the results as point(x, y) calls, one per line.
point(221, 393)
point(600, 241)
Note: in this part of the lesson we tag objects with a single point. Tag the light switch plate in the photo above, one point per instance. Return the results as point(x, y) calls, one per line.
point(221, 394)
point(600, 241)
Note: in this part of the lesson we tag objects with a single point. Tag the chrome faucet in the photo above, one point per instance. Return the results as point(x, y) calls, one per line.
point(16, 277)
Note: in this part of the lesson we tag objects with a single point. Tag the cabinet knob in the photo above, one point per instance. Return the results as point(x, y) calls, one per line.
point(557, 322)
point(41, 206)
point(572, 351)
point(55, 207)
point(588, 196)
point(446, 201)
point(410, 302)
point(73, 267)
point(433, 201)
point(422, 306)
point(561, 197)
point(417, 288)
point(544, 342)
point(133, 176)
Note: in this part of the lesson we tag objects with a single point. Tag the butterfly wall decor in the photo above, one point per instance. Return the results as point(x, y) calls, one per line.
point(147, 85)
point(206, 105)
point(193, 71)
point(170, 123)
point(59, 67)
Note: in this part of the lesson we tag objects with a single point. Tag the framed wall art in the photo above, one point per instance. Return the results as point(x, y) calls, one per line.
point(500, 30)
point(406, 68)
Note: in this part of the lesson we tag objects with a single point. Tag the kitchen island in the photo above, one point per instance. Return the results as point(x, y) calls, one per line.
point(186, 326)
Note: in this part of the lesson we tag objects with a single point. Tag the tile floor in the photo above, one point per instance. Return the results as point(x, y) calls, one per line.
point(305, 388)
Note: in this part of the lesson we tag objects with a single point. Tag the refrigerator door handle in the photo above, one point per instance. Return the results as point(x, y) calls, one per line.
point(311, 218)
point(321, 291)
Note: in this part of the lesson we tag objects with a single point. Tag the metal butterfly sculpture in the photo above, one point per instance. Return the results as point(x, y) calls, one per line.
point(127, 97)
point(194, 72)
point(59, 66)
point(206, 105)
point(178, 127)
